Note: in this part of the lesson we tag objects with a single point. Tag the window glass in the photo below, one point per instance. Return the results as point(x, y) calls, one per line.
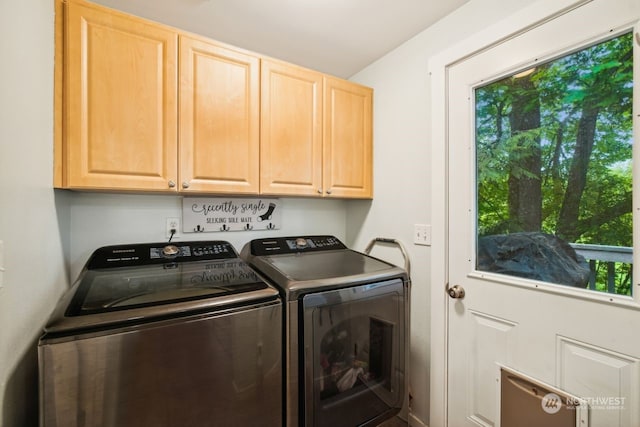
point(553, 170)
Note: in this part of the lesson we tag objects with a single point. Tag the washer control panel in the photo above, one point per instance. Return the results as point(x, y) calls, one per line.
point(289, 245)
point(160, 253)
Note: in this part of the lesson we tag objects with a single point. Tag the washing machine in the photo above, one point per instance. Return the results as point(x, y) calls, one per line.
point(164, 335)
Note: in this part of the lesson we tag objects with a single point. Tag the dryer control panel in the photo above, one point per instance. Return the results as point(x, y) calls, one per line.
point(295, 244)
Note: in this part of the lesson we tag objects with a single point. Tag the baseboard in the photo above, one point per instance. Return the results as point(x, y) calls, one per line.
point(416, 422)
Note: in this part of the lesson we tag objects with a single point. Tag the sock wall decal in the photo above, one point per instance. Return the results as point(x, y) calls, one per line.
point(221, 214)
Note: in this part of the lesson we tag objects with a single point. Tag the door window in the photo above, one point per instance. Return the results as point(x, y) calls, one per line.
point(554, 170)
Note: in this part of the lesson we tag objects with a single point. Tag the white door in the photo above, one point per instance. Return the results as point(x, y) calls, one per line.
point(512, 157)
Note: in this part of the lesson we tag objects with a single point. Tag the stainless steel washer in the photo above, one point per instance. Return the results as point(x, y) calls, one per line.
point(164, 335)
point(346, 318)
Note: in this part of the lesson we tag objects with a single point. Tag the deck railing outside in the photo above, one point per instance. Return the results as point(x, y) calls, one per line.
point(610, 255)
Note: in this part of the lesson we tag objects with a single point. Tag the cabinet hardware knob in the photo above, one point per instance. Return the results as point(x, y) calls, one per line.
point(328, 191)
point(319, 190)
point(172, 184)
point(185, 184)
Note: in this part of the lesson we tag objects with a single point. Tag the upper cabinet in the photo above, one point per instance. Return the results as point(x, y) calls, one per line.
point(291, 130)
point(143, 107)
point(120, 101)
point(219, 119)
point(348, 143)
point(316, 134)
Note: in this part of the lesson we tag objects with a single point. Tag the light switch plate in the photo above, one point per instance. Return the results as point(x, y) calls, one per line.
point(422, 234)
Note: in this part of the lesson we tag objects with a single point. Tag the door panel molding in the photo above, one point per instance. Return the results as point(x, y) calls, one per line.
point(501, 333)
point(580, 364)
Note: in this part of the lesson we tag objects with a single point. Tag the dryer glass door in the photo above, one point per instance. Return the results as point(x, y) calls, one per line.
point(354, 354)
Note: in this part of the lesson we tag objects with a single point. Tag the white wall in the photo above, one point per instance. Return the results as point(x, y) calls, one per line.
point(106, 219)
point(402, 157)
point(34, 220)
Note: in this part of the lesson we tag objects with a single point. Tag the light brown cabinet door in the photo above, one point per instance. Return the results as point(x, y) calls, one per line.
point(291, 130)
point(348, 143)
point(219, 119)
point(120, 101)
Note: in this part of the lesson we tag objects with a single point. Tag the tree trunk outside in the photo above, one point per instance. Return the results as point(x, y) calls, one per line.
point(567, 227)
point(525, 187)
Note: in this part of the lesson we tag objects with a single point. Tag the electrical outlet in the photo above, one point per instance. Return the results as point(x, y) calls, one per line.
point(172, 224)
point(422, 234)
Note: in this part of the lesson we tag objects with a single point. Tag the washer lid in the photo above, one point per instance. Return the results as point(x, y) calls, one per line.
point(114, 289)
point(120, 297)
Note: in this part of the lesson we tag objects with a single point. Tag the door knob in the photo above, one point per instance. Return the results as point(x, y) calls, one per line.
point(456, 292)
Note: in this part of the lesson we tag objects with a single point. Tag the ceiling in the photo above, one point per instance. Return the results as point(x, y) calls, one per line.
point(338, 37)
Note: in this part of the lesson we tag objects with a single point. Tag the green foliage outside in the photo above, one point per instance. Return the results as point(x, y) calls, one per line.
point(554, 151)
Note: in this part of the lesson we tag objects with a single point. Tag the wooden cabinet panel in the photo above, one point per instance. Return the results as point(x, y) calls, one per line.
point(291, 130)
point(219, 119)
point(348, 143)
point(121, 101)
point(240, 124)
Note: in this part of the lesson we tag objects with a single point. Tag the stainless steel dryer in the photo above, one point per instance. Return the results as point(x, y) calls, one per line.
point(346, 317)
point(164, 335)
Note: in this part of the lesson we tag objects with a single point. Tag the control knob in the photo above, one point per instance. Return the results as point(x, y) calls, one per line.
point(170, 251)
